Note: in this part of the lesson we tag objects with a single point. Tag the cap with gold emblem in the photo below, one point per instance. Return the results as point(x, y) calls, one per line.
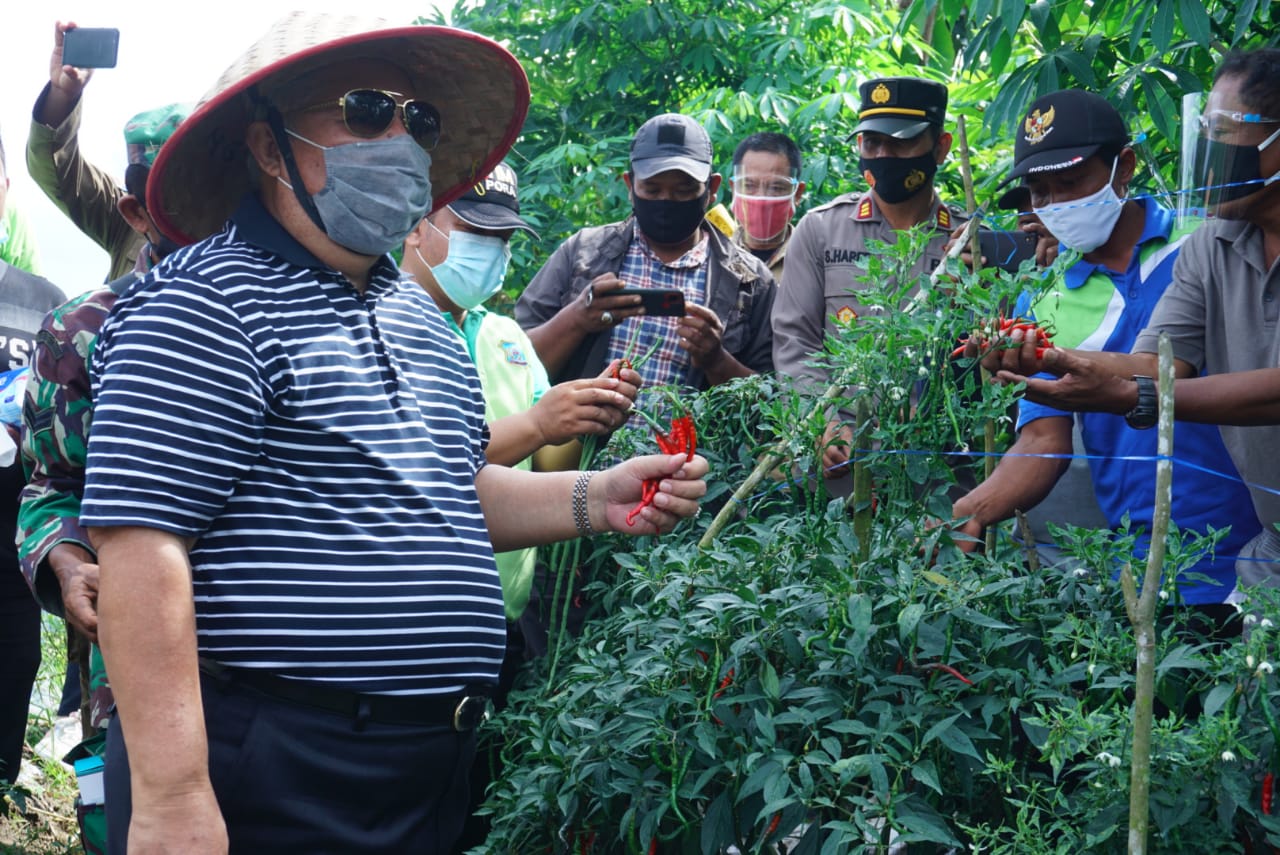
point(1063, 129)
point(901, 107)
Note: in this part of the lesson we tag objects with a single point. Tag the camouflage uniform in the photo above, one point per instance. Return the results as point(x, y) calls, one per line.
point(55, 438)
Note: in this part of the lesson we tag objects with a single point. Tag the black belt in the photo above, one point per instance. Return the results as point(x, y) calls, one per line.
point(461, 712)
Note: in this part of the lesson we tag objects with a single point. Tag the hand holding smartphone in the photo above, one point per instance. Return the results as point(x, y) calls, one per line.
point(90, 47)
point(660, 302)
point(1007, 250)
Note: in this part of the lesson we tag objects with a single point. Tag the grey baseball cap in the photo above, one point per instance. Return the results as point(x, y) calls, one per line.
point(671, 141)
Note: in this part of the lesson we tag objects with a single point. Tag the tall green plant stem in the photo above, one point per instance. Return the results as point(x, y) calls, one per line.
point(1142, 614)
point(767, 464)
point(975, 252)
point(861, 495)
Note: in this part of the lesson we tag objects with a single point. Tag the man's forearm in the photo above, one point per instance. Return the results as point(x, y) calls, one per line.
point(530, 508)
point(513, 438)
point(149, 645)
point(1240, 398)
point(1020, 482)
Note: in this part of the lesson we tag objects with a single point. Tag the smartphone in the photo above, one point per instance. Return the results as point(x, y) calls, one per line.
point(664, 302)
point(1007, 250)
point(90, 47)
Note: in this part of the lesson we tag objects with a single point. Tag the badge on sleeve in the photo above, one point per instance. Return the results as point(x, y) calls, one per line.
point(513, 353)
point(846, 315)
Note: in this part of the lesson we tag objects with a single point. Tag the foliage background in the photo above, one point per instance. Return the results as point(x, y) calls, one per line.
point(599, 68)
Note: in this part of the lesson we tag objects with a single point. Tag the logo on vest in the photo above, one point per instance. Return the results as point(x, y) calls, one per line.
point(846, 315)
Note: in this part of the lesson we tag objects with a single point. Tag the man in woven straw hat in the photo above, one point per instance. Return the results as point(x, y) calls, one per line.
point(287, 487)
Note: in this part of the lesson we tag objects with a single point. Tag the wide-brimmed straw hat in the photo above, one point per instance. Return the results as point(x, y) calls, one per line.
point(479, 88)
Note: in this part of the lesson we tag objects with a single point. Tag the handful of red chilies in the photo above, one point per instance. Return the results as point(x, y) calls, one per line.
point(1004, 327)
point(683, 439)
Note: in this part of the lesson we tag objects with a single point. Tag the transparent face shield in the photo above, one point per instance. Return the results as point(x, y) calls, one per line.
point(764, 203)
point(1226, 157)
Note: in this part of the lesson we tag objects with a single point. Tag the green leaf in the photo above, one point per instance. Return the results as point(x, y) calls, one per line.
point(1217, 698)
point(717, 824)
point(769, 681)
point(926, 773)
point(938, 729)
point(1162, 26)
point(1195, 21)
point(955, 739)
point(908, 619)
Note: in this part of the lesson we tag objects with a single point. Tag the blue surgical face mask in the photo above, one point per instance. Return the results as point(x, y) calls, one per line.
point(374, 192)
point(474, 269)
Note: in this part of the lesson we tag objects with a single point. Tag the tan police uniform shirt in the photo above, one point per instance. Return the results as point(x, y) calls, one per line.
point(820, 285)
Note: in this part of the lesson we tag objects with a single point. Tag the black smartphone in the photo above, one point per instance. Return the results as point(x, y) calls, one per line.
point(90, 47)
point(664, 302)
point(1007, 250)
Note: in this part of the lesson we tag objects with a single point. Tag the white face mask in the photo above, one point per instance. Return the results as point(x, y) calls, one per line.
point(1085, 224)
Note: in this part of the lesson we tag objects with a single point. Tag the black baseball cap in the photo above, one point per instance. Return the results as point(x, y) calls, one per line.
point(671, 141)
point(493, 204)
point(1064, 129)
point(902, 107)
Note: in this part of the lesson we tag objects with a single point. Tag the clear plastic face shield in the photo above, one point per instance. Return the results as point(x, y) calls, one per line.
point(1222, 155)
point(764, 202)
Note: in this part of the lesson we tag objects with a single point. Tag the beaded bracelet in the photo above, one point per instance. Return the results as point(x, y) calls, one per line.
point(581, 518)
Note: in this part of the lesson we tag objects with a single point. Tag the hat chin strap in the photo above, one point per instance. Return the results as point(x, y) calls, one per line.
point(276, 122)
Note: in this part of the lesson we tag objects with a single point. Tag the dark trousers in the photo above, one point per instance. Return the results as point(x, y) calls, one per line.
point(19, 662)
point(293, 779)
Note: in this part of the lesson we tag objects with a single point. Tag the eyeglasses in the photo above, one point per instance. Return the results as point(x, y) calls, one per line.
point(1227, 120)
point(369, 112)
point(770, 186)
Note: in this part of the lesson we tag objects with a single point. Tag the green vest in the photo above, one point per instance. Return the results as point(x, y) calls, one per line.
point(512, 380)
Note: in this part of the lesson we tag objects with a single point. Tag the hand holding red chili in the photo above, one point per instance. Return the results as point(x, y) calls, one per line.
point(1003, 328)
point(682, 439)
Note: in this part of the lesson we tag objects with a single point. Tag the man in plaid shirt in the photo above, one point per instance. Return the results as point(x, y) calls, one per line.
point(577, 327)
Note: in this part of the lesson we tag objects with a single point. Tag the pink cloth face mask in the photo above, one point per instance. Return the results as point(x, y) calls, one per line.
point(763, 218)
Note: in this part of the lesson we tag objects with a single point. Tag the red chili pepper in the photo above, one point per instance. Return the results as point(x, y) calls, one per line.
point(1006, 327)
point(773, 825)
point(952, 671)
point(653, 846)
point(623, 363)
point(1268, 791)
point(682, 439)
point(724, 684)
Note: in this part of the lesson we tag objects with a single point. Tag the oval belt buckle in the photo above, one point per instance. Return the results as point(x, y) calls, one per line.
point(471, 711)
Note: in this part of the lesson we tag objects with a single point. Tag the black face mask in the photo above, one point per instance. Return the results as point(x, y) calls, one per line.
point(897, 179)
point(667, 221)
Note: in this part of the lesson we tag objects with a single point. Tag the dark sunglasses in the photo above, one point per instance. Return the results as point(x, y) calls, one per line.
point(369, 112)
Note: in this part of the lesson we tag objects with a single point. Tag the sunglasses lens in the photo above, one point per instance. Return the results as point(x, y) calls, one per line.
point(368, 112)
point(423, 122)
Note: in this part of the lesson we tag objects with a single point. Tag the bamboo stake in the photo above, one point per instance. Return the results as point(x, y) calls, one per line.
point(861, 495)
point(971, 208)
point(1142, 611)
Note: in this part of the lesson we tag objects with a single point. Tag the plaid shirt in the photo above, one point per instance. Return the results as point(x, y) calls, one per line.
point(669, 363)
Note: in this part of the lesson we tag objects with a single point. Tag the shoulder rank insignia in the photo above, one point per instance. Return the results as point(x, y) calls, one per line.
point(513, 353)
point(944, 217)
point(864, 209)
point(846, 315)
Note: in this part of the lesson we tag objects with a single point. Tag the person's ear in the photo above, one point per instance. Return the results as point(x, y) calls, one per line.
point(1126, 168)
point(799, 193)
point(418, 234)
point(626, 179)
point(943, 147)
point(713, 186)
point(130, 207)
point(266, 153)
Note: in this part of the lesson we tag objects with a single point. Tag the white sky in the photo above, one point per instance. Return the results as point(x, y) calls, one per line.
point(168, 52)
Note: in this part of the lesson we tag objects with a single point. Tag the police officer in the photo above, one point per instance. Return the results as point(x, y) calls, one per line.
point(901, 144)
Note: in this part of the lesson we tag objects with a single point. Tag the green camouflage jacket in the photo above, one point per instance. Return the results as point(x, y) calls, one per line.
point(55, 435)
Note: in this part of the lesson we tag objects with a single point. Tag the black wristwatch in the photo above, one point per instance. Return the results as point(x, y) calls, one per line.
point(1146, 413)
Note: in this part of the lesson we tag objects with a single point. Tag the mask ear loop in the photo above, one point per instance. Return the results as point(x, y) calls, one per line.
point(276, 122)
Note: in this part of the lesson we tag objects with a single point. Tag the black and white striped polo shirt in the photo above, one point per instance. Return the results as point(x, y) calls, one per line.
point(322, 447)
